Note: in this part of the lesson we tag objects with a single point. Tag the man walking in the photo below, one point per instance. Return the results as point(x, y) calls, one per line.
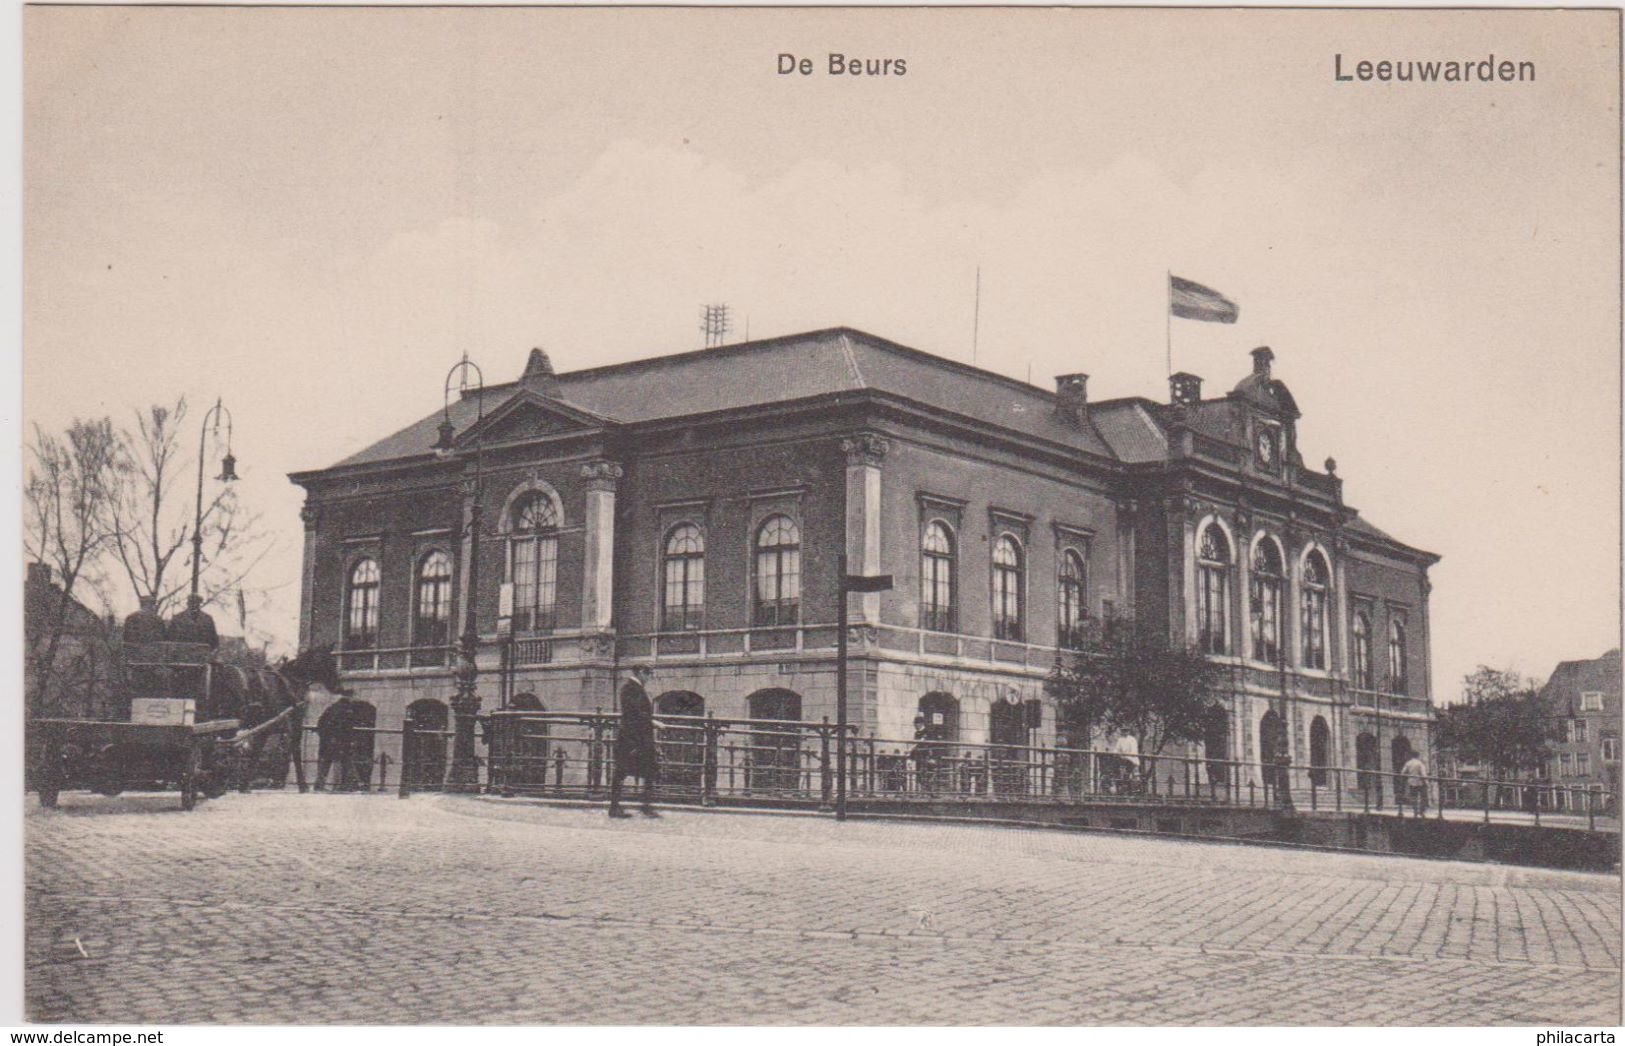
point(333, 743)
point(1415, 775)
point(635, 754)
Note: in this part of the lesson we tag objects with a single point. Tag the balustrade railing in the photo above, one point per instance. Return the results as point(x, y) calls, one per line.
point(710, 758)
point(383, 659)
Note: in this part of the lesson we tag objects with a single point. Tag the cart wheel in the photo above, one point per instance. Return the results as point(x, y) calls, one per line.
point(51, 776)
point(189, 779)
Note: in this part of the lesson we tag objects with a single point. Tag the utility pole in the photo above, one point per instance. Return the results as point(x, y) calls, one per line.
point(715, 324)
point(848, 583)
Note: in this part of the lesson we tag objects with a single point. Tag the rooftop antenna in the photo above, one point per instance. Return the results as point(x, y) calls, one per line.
point(715, 324)
point(976, 316)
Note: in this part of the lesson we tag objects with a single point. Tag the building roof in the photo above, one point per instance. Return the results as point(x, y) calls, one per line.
point(783, 370)
point(1570, 678)
point(1130, 430)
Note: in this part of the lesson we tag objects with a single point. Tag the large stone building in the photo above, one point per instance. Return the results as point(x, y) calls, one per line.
point(688, 511)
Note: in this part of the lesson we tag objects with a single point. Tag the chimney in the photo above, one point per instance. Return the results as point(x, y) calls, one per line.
point(538, 372)
point(1072, 397)
point(1261, 360)
point(1184, 389)
point(39, 575)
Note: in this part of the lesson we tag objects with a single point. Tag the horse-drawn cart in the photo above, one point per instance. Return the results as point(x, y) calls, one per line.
point(170, 738)
point(111, 757)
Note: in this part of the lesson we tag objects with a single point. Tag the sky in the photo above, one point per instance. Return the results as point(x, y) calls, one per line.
point(313, 213)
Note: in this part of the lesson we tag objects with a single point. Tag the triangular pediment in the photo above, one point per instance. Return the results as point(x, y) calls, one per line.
point(528, 415)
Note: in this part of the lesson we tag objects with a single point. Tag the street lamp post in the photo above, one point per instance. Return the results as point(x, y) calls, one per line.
point(465, 703)
point(228, 473)
point(848, 583)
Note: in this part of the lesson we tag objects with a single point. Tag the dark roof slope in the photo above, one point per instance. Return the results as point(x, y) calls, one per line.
point(761, 373)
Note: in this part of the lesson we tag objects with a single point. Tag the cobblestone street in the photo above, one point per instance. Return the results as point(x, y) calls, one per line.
point(280, 908)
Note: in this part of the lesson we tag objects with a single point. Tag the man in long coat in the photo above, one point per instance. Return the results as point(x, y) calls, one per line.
point(333, 732)
point(635, 754)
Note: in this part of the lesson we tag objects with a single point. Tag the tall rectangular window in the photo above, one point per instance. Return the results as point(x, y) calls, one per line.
point(1398, 672)
point(1212, 590)
point(1007, 584)
point(777, 597)
point(361, 606)
point(1070, 596)
point(937, 595)
point(683, 568)
point(533, 558)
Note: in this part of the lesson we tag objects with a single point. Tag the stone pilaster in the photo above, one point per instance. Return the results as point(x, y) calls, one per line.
point(311, 515)
point(865, 454)
point(598, 570)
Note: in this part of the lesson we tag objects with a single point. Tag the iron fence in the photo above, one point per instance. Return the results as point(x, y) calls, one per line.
point(707, 759)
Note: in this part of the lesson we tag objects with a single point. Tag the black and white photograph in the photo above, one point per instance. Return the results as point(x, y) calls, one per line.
point(828, 516)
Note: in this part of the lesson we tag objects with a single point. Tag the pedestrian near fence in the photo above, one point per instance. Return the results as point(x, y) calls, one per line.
point(1414, 774)
point(635, 754)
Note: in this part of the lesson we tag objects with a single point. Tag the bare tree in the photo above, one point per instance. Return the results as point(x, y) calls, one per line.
point(156, 514)
point(69, 524)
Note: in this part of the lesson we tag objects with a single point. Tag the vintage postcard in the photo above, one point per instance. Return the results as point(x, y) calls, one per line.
point(820, 516)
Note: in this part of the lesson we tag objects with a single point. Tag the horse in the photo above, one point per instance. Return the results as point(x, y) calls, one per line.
point(256, 697)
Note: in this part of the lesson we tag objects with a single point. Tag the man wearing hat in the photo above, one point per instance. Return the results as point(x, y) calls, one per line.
point(635, 754)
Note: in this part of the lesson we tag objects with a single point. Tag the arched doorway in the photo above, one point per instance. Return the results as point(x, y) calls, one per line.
point(424, 754)
point(936, 730)
point(682, 745)
point(363, 717)
point(773, 754)
point(1320, 748)
point(519, 746)
point(1216, 747)
point(1007, 731)
point(1271, 746)
point(1367, 760)
point(940, 712)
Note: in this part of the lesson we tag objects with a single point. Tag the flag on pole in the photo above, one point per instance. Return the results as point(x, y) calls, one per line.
point(1192, 301)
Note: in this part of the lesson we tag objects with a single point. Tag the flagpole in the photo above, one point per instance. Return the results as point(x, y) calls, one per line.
point(1168, 318)
point(976, 315)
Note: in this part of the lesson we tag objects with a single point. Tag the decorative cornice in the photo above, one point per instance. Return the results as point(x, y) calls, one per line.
point(602, 475)
point(1076, 532)
point(797, 491)
point(940, 501)
point(865, 449)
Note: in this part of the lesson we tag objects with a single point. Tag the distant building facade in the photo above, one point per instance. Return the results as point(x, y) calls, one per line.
point(83, 671)
point(688, 511)
point(1585, 698)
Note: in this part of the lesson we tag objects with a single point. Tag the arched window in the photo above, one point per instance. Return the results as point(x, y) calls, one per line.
point(1313, 611)
point(1362, 651)
point(1397, 675)
point(937, 595)
point(533, 563)
point(683, 568)
point(1212, 590)
point(361, 606)
point(778, 572)
point(1073, 609)
point(431, 616)
point(1007, 588)
point(1266, 601)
